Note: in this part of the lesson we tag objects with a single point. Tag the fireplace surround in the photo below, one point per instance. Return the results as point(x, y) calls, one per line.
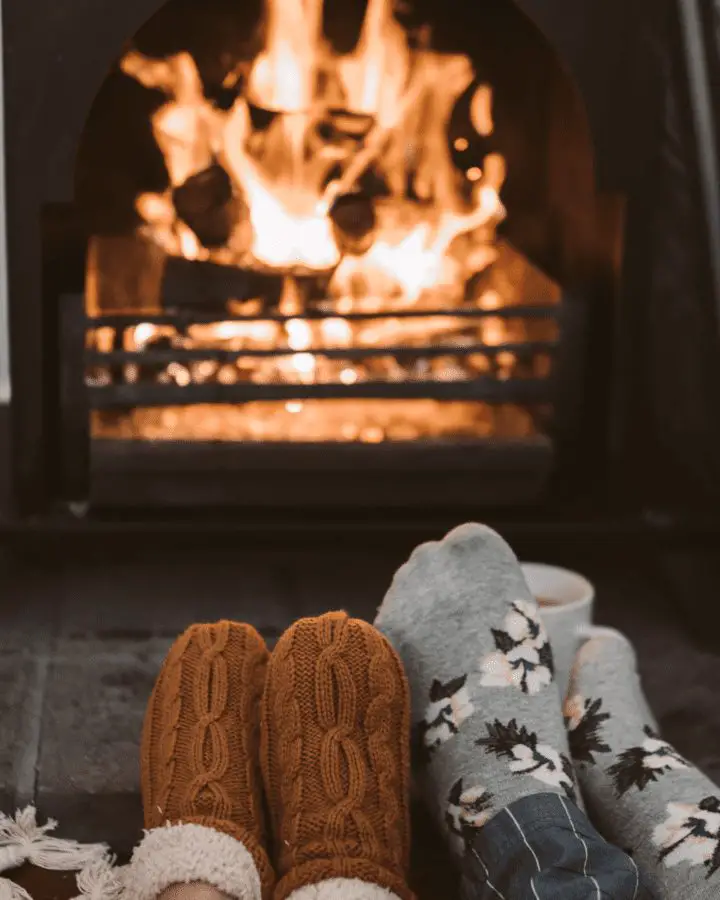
point(612, 340)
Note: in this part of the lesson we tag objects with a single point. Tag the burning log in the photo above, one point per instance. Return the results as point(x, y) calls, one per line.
point(207, 204)
point(353, 216)
point(343, 125)
point(337, 137)
point(323, 245)
point(124, 274)
point(206, 285)
point(374, 144)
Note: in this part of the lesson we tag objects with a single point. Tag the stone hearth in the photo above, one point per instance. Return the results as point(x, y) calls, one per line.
point(81, 642)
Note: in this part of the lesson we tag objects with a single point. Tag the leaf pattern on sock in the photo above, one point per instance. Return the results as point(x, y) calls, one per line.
point(522, 656)
point(569, 771)
point(691, 834)
point(468, 809)
point(583, 718)
point(642, 765)
point(450, 705)
point(527, 756)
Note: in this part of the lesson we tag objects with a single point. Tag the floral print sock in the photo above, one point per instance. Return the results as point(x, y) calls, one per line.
point(488, 727)
point(641, 793)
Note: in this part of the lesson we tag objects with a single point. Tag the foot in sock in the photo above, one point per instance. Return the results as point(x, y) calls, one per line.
point(643, 795)
point(488, 720)
point(335, 753)
point(200, 771)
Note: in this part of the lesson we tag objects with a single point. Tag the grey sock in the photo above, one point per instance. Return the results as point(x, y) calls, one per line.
point(487, 716)
point(641, 793)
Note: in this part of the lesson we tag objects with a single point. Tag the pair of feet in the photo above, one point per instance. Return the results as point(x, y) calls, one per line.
point(318, 734)
point(273, 774)
point(490, 731)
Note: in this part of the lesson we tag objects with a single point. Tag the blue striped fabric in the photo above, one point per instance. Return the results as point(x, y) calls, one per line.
point(543, 847)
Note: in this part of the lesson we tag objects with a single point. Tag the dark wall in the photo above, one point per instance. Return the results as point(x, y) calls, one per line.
point(671, 372)
point(55, 56)
point(6, 498)
point(607, 47)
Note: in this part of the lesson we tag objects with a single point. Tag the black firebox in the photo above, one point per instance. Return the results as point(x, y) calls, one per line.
point(319, 257)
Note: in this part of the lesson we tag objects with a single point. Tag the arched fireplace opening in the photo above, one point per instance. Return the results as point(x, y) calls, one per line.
point(601, 135)
point(331, 245)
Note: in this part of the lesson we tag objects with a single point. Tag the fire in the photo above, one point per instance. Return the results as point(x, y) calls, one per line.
point(300, 207)
point(374, 77)
point(283, 76)
point(185, 126)
point(282, 174)
point(289, 236)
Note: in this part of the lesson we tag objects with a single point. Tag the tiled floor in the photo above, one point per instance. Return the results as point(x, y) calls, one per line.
point(81, 640)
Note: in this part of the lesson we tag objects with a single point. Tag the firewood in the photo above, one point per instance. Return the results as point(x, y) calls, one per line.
point(207, 204)
point(205, 285)
point(353, 217)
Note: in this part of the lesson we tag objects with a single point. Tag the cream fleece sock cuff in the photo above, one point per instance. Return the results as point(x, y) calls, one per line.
point(342, 889)
point(180, 854)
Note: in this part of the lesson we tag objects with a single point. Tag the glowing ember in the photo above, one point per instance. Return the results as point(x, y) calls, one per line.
point(368, 421)
point(300, 211)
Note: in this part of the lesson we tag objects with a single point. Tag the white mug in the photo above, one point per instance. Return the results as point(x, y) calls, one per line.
point(565, 600)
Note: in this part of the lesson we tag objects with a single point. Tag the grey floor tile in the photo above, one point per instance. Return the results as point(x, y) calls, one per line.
point(694, 580)
point(92, 719)
point(115, 602)
point(28, 623)
point(22, 687)
point(30, 600)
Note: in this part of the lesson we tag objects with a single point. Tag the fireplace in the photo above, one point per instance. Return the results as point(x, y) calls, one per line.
point(298, 254)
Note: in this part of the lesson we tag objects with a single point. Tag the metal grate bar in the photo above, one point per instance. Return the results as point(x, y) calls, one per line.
point(183, 319)
point(514, 390)
point(165, 357)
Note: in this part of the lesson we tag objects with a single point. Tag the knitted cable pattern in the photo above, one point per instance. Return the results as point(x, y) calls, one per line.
point(170, 723)
point(335, 730)
point(336, 702)
point(253, 675)
point(210, 753)
point(382, 747)
point(200, 738)
point(286, 714)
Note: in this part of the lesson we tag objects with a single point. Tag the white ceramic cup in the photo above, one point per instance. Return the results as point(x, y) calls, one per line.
point(566, 602)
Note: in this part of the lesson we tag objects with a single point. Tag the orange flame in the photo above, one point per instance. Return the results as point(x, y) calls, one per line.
point(375, 75)
point(434, 227)
point(409, 94)
point(282, 77)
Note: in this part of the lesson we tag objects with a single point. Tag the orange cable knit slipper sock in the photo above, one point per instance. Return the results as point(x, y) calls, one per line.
point(201, 783)
point(335, 760)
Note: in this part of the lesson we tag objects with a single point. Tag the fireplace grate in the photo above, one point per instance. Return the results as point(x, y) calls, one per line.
point(82, 393)
point(488, 388)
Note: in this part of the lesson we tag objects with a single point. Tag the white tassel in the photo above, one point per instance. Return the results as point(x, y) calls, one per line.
point(23, 840)
point(11, 891)
point(101, 880)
